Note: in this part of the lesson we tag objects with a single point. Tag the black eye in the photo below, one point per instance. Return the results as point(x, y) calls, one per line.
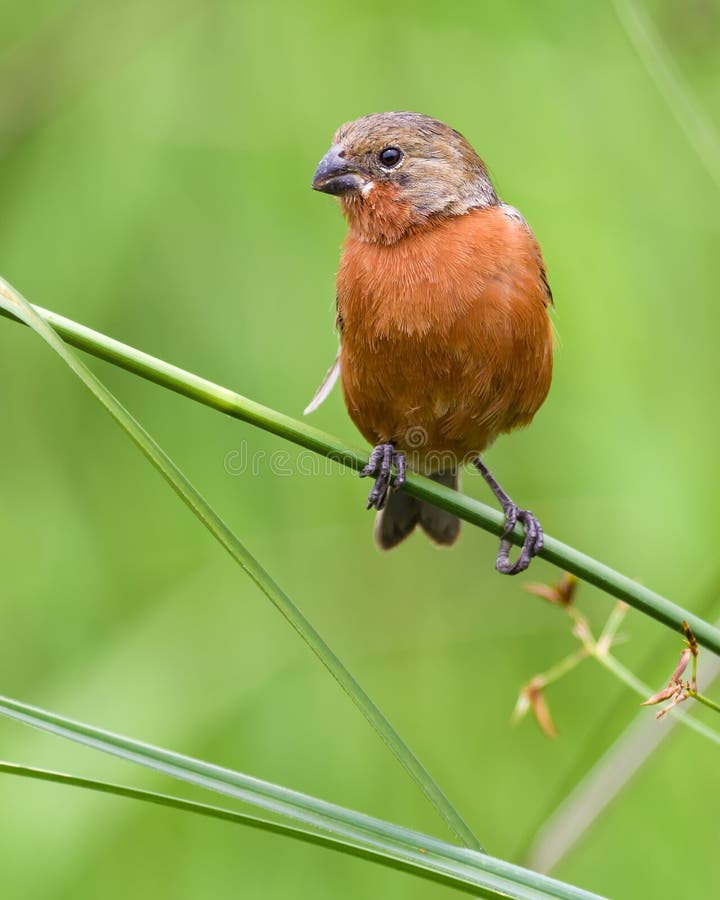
point(390, 157)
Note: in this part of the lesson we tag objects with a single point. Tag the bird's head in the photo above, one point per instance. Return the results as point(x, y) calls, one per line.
point(394, 172)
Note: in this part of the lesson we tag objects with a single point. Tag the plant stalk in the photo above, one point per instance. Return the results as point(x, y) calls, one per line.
point(233, 404)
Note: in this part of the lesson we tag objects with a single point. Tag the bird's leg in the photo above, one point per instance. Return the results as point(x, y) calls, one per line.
point(380, 464)
point(533, 542)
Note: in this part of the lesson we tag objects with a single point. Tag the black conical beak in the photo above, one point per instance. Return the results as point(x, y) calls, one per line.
point(334, 176)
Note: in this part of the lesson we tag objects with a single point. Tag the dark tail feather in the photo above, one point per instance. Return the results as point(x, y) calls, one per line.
point(397, 520)
point(438, 524)
point(403, 512)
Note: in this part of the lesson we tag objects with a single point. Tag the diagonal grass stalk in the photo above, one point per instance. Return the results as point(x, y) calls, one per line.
point(453, 879)
point(21, 309)
point(491, 877)
point(694, 122)
point(224, 400)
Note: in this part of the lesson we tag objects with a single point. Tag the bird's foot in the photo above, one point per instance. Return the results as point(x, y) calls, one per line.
point(534, 539)
point(532, 544)
point(380, 464)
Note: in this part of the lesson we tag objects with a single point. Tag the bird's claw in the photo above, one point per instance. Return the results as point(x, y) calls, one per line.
point(380, 464)
point(532, 544)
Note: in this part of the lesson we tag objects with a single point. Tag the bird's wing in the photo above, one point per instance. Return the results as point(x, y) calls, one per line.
point(518, 217)
point(328, 383)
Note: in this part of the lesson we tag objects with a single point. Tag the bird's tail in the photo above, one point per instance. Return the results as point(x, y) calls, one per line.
point(403, 512)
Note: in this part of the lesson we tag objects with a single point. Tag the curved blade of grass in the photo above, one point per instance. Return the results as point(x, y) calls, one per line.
point(694, 122)
point(233, 404)
point(15, 303)
point(328, 842)
point(492, 877)
point(172, 802)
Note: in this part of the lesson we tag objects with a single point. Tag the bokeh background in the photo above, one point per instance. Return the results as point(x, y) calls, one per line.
point(155, 162)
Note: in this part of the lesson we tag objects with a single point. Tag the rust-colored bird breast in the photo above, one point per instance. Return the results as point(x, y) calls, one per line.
point(446, 337)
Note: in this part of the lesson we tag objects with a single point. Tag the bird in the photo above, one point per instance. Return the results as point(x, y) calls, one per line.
point(443, 317)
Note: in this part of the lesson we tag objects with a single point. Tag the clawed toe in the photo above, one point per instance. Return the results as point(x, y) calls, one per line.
point(380, 464)
point(532, 544)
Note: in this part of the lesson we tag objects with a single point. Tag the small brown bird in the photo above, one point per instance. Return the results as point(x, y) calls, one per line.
point(442, 312)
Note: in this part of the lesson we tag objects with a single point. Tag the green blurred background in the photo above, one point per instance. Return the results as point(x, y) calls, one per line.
point(154, 184)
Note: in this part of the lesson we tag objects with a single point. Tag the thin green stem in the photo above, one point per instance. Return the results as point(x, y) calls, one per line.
point(560, 669)
point(623, 674)
point(224, 400)
point(233, 404)
point(701, 698)
point(615, 620)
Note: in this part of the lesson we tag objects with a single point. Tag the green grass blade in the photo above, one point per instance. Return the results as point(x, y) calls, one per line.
point(233, 404)
point(491, 877)
point(328, 842)
point(13, 302)
point(694, 122)
point(172, 802)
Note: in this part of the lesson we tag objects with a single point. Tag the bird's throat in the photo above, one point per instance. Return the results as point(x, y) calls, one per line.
point(379, 215)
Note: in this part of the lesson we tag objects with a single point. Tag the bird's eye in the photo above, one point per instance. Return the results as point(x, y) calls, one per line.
point(390, 157)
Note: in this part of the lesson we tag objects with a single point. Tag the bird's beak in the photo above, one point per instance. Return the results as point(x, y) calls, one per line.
point(334, 176)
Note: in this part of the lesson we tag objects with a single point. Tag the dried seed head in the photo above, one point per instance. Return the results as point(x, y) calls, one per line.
point(681, 666)
point(561, 594)
point(691, 639)
point(532, 697)
point(664, 694)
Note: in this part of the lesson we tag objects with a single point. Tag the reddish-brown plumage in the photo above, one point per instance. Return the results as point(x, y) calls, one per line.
point(442, 310)
point(445, 332)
